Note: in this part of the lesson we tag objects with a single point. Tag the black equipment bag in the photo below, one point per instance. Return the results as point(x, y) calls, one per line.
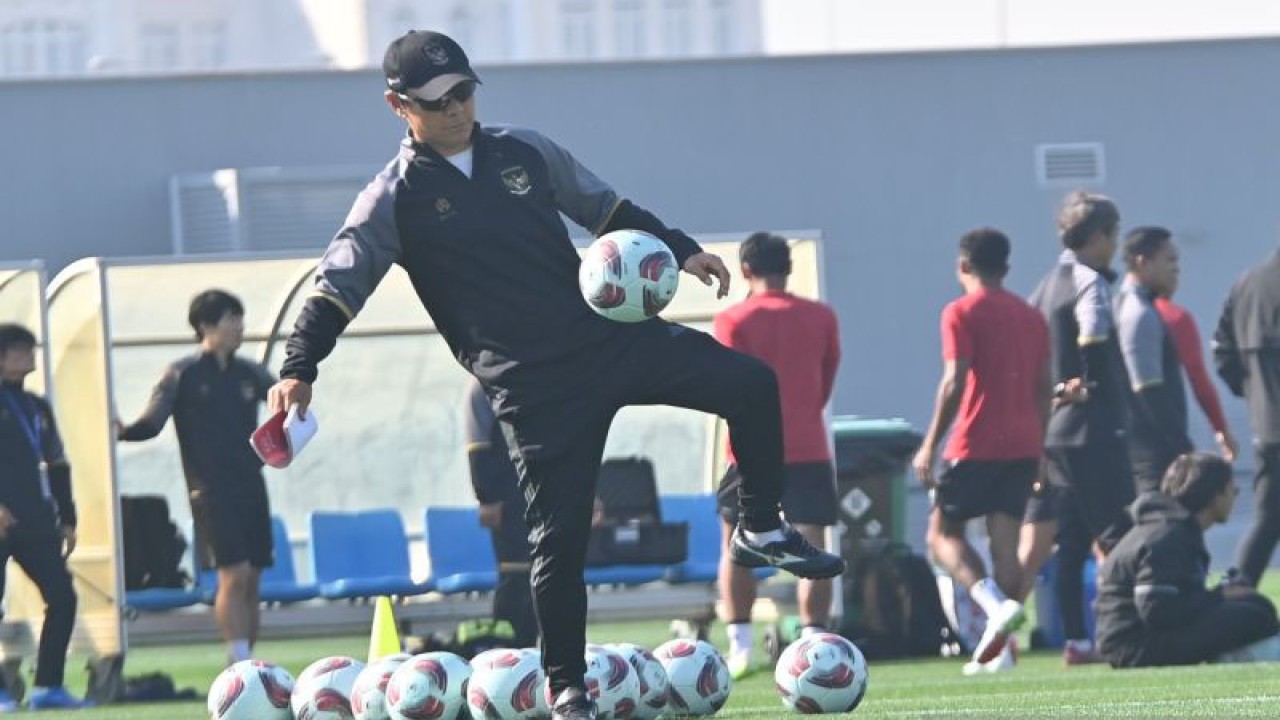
point(891, 604)
point(153, 546)
point(632, 532)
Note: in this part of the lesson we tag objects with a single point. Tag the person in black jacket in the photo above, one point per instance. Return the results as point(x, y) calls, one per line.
point(1153, 606)
point(213, 397)
point(502, 509)
point(472, 213)
point(37, 514)
point(1246, 349)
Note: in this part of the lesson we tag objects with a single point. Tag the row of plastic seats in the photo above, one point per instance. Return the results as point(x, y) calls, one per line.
point(462, 558)
point(365, 554)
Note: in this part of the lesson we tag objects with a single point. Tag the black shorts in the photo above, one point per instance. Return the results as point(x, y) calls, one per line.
point(233, 526)
point(977, 488)
point(808, 494)
point(1044, 504)
point(1101, 480)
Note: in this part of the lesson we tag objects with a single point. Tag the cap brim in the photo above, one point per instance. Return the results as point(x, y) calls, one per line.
point(437, 87)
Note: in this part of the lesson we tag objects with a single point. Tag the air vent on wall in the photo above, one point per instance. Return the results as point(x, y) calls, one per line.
point(1070, 164)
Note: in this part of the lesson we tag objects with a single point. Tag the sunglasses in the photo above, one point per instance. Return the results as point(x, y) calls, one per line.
point(460, 93)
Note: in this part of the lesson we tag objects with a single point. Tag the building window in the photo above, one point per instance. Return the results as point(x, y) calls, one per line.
point(628, 28)
point(577, 29)
point(677, 27)
point(723, 27)
point(208, 45)
point(159, 46)
point(46, 47)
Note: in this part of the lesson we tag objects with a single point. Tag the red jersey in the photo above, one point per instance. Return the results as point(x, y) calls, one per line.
point(799, 339)
point(1186, 338)
point(1006, 343)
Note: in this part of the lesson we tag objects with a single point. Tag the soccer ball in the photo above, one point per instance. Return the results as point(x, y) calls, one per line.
point(431, 686)
point(251, 690)
point(628, 276)
point(652, 699)
point(369, 694)
point(323, 690)
point(698, 676)
point(504, 686)
point(821, 673)
point(611, 683)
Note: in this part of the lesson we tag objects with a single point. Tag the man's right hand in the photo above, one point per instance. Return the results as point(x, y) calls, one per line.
point(287, 393)
point(923, 464)
point(491, 516)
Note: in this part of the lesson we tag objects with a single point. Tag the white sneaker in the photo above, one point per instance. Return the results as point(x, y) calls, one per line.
point(1006, 660)
point(739, 662)
point(1000, 625)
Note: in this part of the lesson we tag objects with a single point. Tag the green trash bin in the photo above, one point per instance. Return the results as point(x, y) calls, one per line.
point(872, 456)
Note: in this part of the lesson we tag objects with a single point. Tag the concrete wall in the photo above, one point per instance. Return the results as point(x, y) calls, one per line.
point(891, 156)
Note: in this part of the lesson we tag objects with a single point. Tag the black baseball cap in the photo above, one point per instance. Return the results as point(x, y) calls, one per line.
point(430, 62)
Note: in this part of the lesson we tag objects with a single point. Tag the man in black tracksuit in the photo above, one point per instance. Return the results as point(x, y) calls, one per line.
point(37, 514)
point(502, 509)
point(1246, 348)
point(1153, 606)
point(213, 397)
point(1085, 446)
point(472, 214)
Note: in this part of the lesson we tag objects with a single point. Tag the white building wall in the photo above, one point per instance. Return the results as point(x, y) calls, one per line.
point(42, 38)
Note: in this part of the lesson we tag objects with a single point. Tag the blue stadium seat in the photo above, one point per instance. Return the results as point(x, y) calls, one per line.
point(164, 599)
point(279, 582)
point(624, 574)
point(161, 599)
point(703, 562)
point(461, 551)
point(361, 554)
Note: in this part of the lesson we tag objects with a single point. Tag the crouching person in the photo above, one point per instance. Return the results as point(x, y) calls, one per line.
point(1153, 606)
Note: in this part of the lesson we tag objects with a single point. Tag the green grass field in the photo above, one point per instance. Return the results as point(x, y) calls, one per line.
point(1039, 688)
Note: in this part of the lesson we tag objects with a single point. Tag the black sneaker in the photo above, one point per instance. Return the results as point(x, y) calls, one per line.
point(793, 554)
point(573, 705)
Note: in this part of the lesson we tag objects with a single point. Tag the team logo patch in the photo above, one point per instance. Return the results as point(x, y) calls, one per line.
point(517, 180)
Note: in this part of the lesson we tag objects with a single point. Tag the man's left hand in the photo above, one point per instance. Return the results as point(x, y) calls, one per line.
point(68, 540)
point(705, 266)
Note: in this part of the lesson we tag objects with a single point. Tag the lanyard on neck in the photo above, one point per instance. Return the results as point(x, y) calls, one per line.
point(30, 424)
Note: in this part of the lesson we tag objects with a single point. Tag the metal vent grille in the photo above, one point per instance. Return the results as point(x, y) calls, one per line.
point(235, 210)
point(1074, 164)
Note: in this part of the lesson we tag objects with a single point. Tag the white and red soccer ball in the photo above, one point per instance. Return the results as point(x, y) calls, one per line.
point(628, 276)
point(430, 686)
point(611, 683)
point(698, 677)
point(821, 673)
point(369, 694)
point(323, 690)
point(251, 690)
point(506, 685)
point(652, 678)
